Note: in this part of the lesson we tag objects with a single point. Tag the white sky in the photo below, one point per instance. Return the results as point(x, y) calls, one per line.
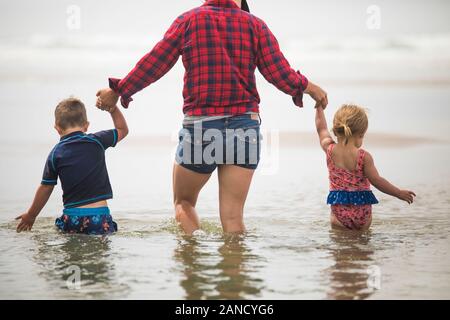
point(286, 17)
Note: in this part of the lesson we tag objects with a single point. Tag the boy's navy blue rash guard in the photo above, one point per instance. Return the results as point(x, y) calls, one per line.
point(79, 162)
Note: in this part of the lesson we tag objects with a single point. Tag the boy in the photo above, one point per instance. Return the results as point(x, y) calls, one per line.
point(79, 162)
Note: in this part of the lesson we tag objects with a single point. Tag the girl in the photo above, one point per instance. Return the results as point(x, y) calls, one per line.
point(352, 170)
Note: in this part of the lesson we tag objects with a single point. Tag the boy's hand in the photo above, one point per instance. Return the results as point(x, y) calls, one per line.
point(26, 222)
point(99, 104)
point(407, 196)
point(108, 98)
point(318, 94)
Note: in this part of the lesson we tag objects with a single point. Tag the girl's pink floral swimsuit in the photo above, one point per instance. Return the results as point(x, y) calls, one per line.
point(350, 196)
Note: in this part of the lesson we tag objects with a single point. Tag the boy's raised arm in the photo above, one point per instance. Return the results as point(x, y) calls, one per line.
point(27, 219)
point(120, 124)
point(322, 129)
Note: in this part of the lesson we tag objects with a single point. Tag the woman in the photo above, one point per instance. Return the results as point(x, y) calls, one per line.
point(221, 45)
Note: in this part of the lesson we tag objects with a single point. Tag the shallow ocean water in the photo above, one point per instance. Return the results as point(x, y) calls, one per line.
point(289, 251)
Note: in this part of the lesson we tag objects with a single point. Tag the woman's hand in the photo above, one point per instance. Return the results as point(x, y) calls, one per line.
point(318, 94)
point(107, 99)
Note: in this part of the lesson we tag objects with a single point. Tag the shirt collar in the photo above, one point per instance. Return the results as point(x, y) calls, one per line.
point(76, 133)
point(221, 3)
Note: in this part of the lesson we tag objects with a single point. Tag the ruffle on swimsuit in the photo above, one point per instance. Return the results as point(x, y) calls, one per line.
point(351, 198)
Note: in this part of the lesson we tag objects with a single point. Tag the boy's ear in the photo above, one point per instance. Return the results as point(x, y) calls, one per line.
point(86, 126)
point(58, 129)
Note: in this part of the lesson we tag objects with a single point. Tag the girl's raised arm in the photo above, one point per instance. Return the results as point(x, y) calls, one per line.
point(322, 129)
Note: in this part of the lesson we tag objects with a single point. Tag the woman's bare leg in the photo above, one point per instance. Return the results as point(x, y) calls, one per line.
point(234, 183)
point(186, 188)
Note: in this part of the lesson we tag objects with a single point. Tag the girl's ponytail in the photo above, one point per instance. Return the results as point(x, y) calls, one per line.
point(348, 132)
point(348, 121)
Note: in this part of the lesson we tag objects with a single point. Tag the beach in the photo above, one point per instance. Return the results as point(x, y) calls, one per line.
point(289, 251)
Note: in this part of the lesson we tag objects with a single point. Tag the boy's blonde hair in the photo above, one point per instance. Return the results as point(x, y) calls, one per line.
point(350, 120)
point(70, 113)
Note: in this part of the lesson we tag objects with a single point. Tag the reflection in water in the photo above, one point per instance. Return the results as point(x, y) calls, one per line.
point(353, 256)
point(60, 255)
point(224, 272)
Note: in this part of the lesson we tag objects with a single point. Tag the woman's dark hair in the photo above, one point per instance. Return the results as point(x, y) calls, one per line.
point(244, 6)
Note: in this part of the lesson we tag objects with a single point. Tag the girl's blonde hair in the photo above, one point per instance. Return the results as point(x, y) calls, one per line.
point(350, 120)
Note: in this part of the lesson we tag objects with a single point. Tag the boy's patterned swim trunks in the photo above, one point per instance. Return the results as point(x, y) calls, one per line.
point(86, 221)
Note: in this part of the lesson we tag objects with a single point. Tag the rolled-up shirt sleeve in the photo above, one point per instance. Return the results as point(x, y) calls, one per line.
point(153, 65)
point(276, 69)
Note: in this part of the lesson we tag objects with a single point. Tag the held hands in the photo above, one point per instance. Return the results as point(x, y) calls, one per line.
point(107, 100)
point(318, 94)
point(26, 222)
point(99, 104)
point(407, 196)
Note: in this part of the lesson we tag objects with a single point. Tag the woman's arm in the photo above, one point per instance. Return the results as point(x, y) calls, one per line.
point(27, 219)
point(322, 129)
point(276, 69)
point(148, 70)
point(382, 184)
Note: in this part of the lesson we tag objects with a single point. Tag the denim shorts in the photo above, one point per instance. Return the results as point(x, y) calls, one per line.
point(93, 221)
point(229, 141)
